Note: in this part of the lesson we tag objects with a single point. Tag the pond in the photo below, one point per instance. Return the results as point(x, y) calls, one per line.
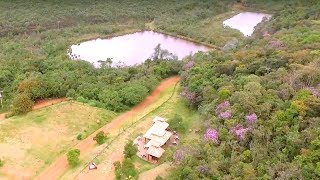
point(245, 22)
point(133, 48)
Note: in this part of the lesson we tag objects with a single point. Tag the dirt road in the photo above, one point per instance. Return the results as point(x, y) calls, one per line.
point(58, 167)
point(40, 104)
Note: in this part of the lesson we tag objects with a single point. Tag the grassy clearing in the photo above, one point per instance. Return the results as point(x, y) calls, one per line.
point(33, 141)
point(131, 130)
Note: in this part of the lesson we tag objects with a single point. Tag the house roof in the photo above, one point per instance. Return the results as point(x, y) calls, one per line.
point(158, 118)
point(158, 129)
point(155, 151)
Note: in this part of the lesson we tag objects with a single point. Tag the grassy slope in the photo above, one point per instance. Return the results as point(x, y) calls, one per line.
point(40, 136)
point(131, 130)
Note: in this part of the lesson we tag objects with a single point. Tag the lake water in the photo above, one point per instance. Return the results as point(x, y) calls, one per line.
point(133, 48)
point(245, 22)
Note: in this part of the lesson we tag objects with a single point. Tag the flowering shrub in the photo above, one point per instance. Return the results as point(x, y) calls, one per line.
point(225, 115)
point(239, 131)
point(275, 44)
point(222, 112)
point(251, 118)
point(212, 134)
point(189, 96)
point(189, 65)
point(203, 169)
point(179, 156)
point(314, 91)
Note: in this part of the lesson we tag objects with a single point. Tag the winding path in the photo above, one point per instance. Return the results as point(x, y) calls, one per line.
point(40, 104)
point(57, 168)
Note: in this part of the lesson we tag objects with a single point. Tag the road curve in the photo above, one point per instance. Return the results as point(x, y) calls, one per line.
point(57, 168)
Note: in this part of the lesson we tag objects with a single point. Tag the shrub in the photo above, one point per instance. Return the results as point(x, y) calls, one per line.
point(79, 137)
point(22, 104)
point(73, 157)
point(101, 137)
point(224, 94)
point(177, 124)
point(130, 150)
point(1, 163)
point(126, 170)
point(71, 94)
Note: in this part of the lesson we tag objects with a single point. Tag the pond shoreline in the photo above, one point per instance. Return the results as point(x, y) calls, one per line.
point(128, 32)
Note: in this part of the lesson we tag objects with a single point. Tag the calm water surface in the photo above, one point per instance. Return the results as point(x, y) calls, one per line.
point(245, 22)
point(133, 48)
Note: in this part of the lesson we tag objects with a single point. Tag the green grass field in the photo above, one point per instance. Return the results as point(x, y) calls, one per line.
point(30, 143)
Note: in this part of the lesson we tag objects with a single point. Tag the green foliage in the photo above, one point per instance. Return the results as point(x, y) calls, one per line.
point(224, 94)
point(1, 163)
point(130, 150)
point(276, 78)
point(100, 137)
point(126, 170)
point(79, 137)
point(22, 104)
point(177, 123)
point(73, 157)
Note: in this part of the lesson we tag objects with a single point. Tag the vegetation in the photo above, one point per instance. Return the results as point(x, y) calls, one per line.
point(259, 102)
point(130, 150)
point(22, 103)
point(1, 163)
point(125, 170)
point(51, 131)
point(177, 123)
point(73, 157)
point(33, 48)
point(100, 137)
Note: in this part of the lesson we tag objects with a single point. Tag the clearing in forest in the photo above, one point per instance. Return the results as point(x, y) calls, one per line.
point(31, 142)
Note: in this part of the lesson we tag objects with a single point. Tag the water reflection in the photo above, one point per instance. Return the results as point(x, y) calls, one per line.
point(133, 48)
point(246, 21)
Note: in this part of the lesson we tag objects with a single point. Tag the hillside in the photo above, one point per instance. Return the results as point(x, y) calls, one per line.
point(30, 143)
point(260, 102)
point(255, 105)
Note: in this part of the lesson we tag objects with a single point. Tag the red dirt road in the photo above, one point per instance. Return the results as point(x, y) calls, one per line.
point(40, 104)
point(58, 167)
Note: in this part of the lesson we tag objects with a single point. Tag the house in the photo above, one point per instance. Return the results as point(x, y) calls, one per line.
point(156, 138)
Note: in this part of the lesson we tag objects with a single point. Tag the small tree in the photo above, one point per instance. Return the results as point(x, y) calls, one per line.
point(22, 104)
point(101, 137)
point(73, 157)
point(177, 124)
point(130, 150)
point(1, 163)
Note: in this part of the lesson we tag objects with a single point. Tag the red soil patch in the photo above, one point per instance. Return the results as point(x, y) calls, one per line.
point(58, 167)
point(40, 104)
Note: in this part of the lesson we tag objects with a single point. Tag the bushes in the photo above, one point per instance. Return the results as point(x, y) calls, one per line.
point(130, 150)
point(126, 170)
point(177, 124)
point(22, 104)
point(73, 157)
point(1, 163)
point(100, 137)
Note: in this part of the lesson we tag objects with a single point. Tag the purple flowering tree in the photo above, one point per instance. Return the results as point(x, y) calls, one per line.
point(189, 96)
point(251, 118)
point(314, 91)
point(211, 135)
point(239, 131)
point(189, 65)
point(179, 156)
point(222, 110)
point(203, 169)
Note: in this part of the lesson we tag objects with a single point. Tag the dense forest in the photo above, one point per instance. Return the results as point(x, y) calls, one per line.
point(260, 101)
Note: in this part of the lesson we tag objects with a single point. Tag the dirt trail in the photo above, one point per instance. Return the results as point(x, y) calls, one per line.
point(58, 167)
point(40, 104)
